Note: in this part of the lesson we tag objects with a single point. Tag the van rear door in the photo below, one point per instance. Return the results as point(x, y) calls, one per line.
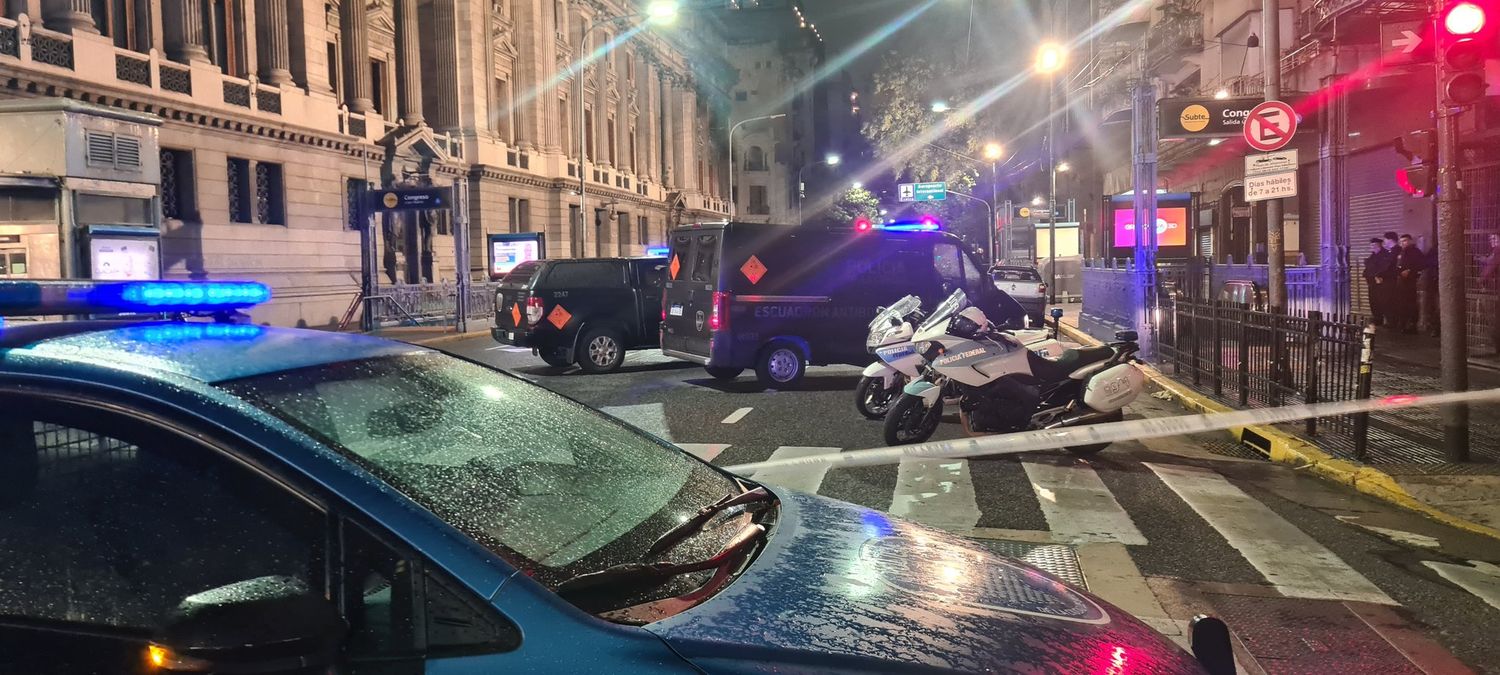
point(692, 278)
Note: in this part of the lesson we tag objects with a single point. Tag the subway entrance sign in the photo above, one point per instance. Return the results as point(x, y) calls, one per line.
point(410, 199)
point(923, 192)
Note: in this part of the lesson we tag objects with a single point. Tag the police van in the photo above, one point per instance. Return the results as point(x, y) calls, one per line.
point(777, 298)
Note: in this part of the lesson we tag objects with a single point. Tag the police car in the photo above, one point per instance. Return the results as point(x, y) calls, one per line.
point(187, 493)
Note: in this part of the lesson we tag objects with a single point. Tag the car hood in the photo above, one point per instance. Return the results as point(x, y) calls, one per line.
point(841, 588)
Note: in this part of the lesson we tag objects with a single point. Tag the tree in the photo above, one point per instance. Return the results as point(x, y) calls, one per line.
point(852, 204)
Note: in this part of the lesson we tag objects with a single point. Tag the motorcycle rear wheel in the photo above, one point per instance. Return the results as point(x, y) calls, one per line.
point(911, 421)
point(872, 399)
point(1095, 448)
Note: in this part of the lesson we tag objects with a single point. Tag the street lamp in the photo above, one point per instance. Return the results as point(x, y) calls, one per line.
point(1050, 58)
point(939, 106)
point(659, 12)
point(1221, 94)
point(734, 202)
point(830, 160)
point(857, 185)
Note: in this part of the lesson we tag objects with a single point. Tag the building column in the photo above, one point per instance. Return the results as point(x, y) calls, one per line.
point(601, 99)
point(647, 126)
point(409, 63)
point(354, 30)
point(671, 177)
point(685, 112)
point(276, 55)
point(183, 26)
point(537, 118)
point(439, 91)
point(80, 17)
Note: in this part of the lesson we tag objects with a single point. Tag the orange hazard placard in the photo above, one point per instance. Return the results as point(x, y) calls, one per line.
point(753, 270)
point(674, 267)
point(559, 317)
point(515, 315)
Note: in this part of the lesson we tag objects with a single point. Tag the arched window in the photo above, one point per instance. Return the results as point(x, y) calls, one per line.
point(755, 159)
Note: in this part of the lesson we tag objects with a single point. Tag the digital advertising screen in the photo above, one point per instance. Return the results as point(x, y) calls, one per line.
point(1171, 226)
point(509, 250)
point(124, 258)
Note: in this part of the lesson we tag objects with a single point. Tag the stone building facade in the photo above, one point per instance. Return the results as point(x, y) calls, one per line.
point(275, 113)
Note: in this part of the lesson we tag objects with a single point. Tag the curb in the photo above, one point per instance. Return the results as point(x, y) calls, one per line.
point(1285, 448)
point(434, 340)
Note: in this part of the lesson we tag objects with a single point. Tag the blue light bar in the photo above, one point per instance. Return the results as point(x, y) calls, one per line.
point(189, 332)
point(911, 227)
point(658, 252)
point(40, 298)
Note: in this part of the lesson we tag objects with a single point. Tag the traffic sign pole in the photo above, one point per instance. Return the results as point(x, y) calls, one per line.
point(1270, 52)
point(1452, 256)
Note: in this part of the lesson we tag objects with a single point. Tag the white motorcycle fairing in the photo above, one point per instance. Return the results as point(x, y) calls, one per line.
point(882, 370)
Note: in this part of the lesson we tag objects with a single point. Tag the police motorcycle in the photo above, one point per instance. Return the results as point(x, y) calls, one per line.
point(890, 339)
point(1004, 387)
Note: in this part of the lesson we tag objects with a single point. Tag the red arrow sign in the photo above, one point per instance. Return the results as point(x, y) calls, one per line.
point(1270, 126)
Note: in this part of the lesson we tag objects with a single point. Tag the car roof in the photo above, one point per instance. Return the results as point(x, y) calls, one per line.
point(206, 352)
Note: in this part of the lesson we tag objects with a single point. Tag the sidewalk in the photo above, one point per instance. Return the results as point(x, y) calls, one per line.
point(431, 335)
point(1462, 495)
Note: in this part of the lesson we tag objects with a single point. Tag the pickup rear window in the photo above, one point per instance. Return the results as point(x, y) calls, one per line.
point(585, 275)
point(521, 275)
point(1016, 274)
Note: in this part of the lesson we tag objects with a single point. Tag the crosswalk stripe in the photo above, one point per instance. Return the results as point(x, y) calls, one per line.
point(705, 451)
point(737, 415)
point(1291, 560)
point(1483, 579)
point(936, 492)
point(648, 417)
point(1078, 507)
point(803, 479)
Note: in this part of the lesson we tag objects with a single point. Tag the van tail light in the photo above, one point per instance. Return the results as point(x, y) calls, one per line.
point(718, 317)
point(663, 306)
point(533, 310)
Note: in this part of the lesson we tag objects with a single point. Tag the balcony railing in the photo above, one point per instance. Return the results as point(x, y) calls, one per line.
point(10, 38)
point(1176, 34)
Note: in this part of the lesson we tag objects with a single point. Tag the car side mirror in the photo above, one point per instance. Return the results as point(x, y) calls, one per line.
point(262, 625)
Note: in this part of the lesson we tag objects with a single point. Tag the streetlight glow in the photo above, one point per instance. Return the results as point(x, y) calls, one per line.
point(993, 151)
point(1050, 57)
point(858, 185)
point(1062, 167)
point(832, 160)
point(1221, 94)
point(1038, 200)
point(939, 106)
point(662, 12)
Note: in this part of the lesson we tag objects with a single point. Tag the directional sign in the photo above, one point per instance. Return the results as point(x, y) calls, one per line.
point(922, 192)
point(1270, 126)
point(1203, 117)
point(1404, 41)
point(410, 199)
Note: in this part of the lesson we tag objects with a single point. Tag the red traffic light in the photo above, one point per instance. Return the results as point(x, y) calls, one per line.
point(1417, 181)
point(1464, 18)
point(863, 224)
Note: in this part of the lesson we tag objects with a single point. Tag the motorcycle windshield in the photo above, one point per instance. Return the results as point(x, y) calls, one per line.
point(893, 314)
point(945, 311)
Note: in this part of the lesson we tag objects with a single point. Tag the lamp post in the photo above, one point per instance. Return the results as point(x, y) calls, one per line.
point(831, 160)
point(734, 202)
point(992, 152)
point(1050, 58)
point(661, 12)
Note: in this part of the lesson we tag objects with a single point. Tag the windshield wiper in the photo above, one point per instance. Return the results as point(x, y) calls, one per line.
point(690, 526)
point(613, 586)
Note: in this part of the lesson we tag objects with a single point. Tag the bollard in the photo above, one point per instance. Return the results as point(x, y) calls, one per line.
point(1310, 345)
point(1362, 392)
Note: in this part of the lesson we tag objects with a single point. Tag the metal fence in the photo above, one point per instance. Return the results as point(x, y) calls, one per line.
point(1246, 357)
point(428, 304)
point(1482, 187)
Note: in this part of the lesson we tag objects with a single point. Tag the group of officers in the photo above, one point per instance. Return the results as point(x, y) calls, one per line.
point(1393, 272)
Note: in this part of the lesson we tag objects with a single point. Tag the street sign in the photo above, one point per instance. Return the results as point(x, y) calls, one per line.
point(1271, 186)
point(1203, 117)
point(410, 199)
point(1270, 126)
point(1030, 212)
point(922, 192)
point(1270, 163)
point(1404, 42)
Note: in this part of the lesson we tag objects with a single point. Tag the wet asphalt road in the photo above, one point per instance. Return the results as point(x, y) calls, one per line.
point(1311, 576)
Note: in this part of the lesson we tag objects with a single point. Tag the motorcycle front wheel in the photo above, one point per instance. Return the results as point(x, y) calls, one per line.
point(872, 399)
point(911, 421)
point(1096, 448)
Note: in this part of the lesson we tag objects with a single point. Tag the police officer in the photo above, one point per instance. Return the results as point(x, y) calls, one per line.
point(1378, 267)
point(1409, 265)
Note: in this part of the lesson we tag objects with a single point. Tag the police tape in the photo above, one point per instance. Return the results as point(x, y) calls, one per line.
point(1110, 432)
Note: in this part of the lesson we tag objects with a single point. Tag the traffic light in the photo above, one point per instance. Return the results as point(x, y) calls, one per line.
point(1464, 31)
point(1419, 179)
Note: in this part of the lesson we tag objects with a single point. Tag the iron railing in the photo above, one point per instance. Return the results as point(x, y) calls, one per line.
point(427, 304)
point(1249, 358)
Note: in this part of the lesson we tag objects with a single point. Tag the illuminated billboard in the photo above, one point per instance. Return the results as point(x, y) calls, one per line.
point(1171, 226)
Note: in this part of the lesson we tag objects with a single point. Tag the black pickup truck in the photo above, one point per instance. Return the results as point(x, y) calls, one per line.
point(587, 311)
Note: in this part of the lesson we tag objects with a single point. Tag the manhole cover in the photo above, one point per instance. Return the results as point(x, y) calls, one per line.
point(1058, 560)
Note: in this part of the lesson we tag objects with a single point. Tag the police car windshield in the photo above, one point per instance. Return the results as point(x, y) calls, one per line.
point(945, 311)
point(902, 307)
point(556, 488)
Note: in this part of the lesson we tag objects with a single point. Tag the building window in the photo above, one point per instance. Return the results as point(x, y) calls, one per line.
point(377, 86)
point(575, 231)
point(355, 218)
point(177, 194)
point(227, 18)
point(588, 134)
point(126, 22)
point(622, 238)
point(565, 112)
point(741, 96)
point(333, 70)
point(755, 159)
point(239, 190)
point(614, 159)
point(629, 68)
point(642, 231)
point(759, 205)
point(503, 115)
point(270, 202)
point(632, 157)
point(520, 215)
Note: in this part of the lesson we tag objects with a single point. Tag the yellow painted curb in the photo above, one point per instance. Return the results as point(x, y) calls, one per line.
point(1289, 449)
